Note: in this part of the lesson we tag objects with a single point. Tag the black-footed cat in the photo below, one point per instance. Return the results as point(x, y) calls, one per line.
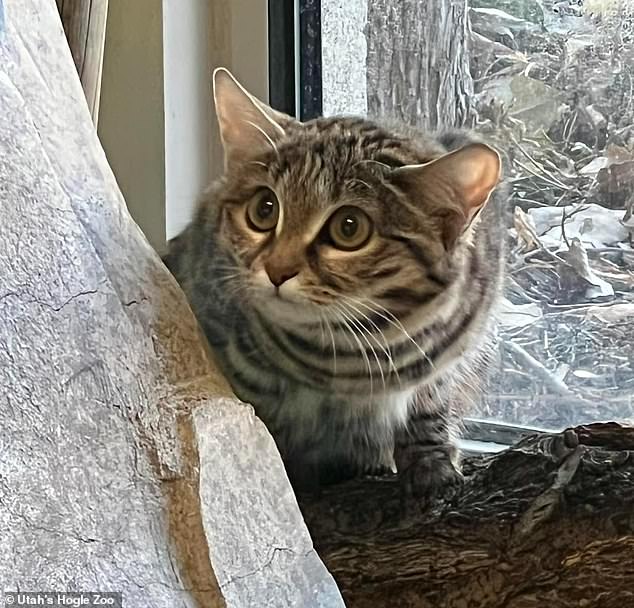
point(346, 276)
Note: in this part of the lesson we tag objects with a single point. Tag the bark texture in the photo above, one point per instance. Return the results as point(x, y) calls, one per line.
point(547, 523)
point(125, 463)
point(418, 65)
point(84, 23)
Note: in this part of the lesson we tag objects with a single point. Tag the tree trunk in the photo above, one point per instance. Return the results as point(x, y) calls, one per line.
point(418, 65)
point(547, 523)
point(125, 463)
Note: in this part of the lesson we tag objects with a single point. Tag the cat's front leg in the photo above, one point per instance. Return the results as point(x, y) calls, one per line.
point(426, 455)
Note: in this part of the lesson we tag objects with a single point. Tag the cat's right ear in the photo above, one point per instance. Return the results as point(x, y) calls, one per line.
point(248, 127)
point(465, 179)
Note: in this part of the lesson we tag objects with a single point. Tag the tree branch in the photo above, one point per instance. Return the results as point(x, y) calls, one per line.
point(549, 520)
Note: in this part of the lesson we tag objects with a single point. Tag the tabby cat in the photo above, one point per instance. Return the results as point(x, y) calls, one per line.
point(346, 275)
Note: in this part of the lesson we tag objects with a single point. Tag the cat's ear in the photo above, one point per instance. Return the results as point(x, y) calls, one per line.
point(247, 125)
point(467, 176)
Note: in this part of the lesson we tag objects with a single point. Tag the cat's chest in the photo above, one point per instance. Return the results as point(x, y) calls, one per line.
point(279, 397)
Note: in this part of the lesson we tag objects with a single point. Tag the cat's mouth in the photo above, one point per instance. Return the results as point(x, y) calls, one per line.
point(276, 297)
point(289, 292)
point(289, 303)
point(285, 306)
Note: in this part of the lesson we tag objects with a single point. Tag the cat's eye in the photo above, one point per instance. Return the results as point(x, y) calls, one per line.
point(263, 211)
point(349, 228)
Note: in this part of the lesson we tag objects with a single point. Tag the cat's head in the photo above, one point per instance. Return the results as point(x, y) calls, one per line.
point(339, 211)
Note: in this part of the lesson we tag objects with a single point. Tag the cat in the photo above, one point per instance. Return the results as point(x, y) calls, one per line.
point(346, 276)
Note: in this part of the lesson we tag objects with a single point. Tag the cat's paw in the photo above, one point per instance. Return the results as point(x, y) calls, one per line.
point(384, 467)
point(428, 473)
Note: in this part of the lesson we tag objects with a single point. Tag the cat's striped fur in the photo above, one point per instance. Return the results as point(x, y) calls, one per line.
point(372, 350)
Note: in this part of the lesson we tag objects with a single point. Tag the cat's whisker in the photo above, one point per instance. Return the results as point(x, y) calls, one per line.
point(395, 322)
point(373, 162)
point(324, 320)
point(334, 346)
point(234, 290)
point(344, 318)
point(321, 328)
point(352, 311)
point(360, 181)
point(364, 355)
point(362, 333)
point(337, 317)
point(224, 277)
point(230, 277)
point(386, 348)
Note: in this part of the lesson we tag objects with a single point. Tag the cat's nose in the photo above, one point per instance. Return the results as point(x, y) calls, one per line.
point(280, 274)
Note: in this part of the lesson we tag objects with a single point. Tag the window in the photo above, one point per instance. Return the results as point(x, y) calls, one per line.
point(552, 85)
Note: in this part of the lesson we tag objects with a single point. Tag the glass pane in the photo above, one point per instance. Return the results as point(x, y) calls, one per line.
point(551, 84)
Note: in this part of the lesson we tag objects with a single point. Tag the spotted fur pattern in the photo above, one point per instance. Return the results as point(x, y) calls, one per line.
point(375, 355)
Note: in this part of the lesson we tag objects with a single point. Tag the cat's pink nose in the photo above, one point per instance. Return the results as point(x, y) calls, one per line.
point(280, 274)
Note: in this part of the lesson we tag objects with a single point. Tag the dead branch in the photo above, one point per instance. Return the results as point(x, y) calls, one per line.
point(548, 522)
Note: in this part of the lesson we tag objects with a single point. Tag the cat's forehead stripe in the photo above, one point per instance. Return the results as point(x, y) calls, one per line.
point(307, 225)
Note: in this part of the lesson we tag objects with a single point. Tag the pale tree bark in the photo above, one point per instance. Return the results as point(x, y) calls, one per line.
point(126, 465)
point(418, 65)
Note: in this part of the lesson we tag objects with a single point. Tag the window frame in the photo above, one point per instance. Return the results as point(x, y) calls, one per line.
point(295, 64)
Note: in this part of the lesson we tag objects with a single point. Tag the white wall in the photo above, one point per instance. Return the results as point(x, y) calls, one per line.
point(131, 112)
point(156, 120)
point(187, 96)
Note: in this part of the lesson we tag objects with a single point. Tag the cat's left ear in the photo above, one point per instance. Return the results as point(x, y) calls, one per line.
point(248, 126)
point(466, 176)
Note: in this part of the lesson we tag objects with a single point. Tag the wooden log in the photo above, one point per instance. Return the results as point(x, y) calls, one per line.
point(549, 522)
point(84, 24)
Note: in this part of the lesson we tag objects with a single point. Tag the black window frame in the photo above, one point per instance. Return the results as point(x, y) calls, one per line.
point(295, 54)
